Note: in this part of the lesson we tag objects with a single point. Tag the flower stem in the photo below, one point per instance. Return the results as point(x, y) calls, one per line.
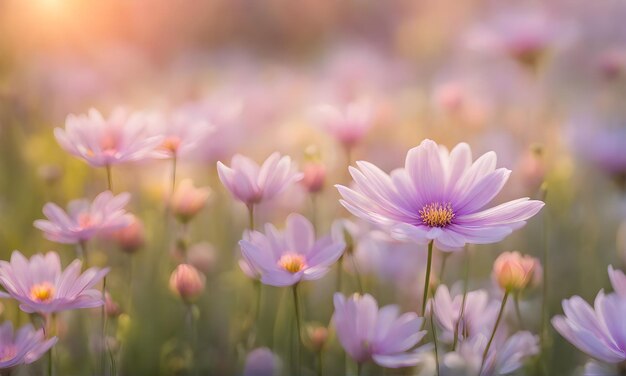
point(174, 160)
point(251, 217)
point(434, 330)
point(192, 333)
point(427, 278)
point(518, 312)
point(297, 313)
point(443, 265)
point(359, 368)
point(339, 273)
point(544, 298)
point(465, 288)
point(105, 346)
point(495, 328)
point(109, 178)
point(320, 363)
point(357, 274)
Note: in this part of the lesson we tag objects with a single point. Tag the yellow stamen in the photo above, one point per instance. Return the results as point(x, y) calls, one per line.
point(292, 262)
point(42, 292)
point(437, 215)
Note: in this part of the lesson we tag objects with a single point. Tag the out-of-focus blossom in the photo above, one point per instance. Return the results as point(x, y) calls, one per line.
point(505, 356)
point(130, 238)
point(462, 101)
point(532, 167)
point(250, 183)
point(123, 137)
point(40, 286)
point(262, 362)
point(188, 200)
point(288, 257)
point(317, 336)
point(83, 219)
point(181, 132)
point(50, 173)
point(439, 196)
point(612, 63)
point(23, 347)
point(313, 171)
point(202, 256)
point(478, 316)
point(111, 308)
point(514, 271)
point(187, 282)
point(597, 331)
point(383, 336)
point(348, 124)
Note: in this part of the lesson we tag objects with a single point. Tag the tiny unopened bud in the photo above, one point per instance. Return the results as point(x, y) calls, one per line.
point(317, 336)
point(130, 238)
point(111, 308)
point(261, 362)
point(50, 173)
point(188, 200)
point(187, 282)
point(314, 176)
point(202, 256)
point(514, 271)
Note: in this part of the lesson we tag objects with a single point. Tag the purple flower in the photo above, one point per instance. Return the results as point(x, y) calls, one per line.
point(286, 258)
point(348, 124)
point(438, 195)
point(262, 362)
point(23, 347)
point(180, 131)
point(40, 286)
point(598, 331)
point(250, 183)
point(83, 219)
point(478, 317)
point(384, 336)
point(121, 138)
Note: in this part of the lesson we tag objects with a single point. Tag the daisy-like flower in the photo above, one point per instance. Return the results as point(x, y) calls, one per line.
point(40, 286)
point(288, 257)
point(84, 220)
point(123, 137)
point(438, 196)
point(383, 336)
point(181, 132)
point(348, 124)
point(23, 347)
point(250, 183)
point(597, 331)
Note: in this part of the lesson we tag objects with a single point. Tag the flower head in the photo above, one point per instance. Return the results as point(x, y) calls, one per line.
point(123, 137)
point(262, 362)
point(349, 124)
point(250, 183)
point(187, 282)
point(130, 238)
point(188, 200)
point(23, 347)
point(40, 286)
point(84, 220)
point(438, 195)
point(384, 336)
point(288, 257)
point(514, 272)
point(180, 132)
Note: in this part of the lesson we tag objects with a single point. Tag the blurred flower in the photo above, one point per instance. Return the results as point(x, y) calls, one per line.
point(111, 307)
point(121, 138)
point(130, 238)
point(348, 124)
point(24, 347)
point(40, 286)
point(532, 168)
point(463, 101)
point(187, 282)
point(180, 132)
point(286, 258)
point(367, 333)
point(188, 200)
point(478, 316)
point(611, 63)
point(202, 256)
point(83, 219)
point(262, 362)
point(50, 173)
point(618, 281)
point(505, 356)
point(514, 271)
point(317, 336)
point(250, 183)
point(313, 171)
point(438, 196)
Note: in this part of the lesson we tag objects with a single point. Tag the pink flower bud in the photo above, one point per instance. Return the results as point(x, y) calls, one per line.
point(202, 257)
point(130, 238)
point(314, 176)
point(187, 282)
point(514, 271)
point(188, 200)
point(111, 308)
point(317, 337)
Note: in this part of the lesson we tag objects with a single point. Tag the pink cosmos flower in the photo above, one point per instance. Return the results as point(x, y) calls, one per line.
point(83, 219)
point(348, 124)
point(250, 183)
point(181, 132)
point(286, 258)
point(384, 336)
point(598, 331)
point(439, 196)
point(23, 347)
point(40, 286)
point(123, 137)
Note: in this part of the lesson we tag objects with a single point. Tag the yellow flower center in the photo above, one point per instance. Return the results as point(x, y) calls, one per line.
point(292, 262)
point(437, 215)
point(171, 144)
point(42, 292)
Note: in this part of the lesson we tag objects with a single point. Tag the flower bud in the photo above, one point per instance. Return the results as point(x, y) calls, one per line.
point(514, 272)
point(188, 200)
point(314, 176)
point(187, 282)
point(261, 362)
point(317, 337)
point(202, 257)
point(130, 238)
point(111, 308)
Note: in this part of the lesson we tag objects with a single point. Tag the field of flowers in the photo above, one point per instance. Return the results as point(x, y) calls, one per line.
point(279, 187)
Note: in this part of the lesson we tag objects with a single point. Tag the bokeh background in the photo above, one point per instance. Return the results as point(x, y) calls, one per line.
point(541, 83)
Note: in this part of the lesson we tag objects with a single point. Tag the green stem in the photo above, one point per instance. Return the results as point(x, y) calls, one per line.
point(251, 217)
point(314, 212)
point(320, 363)
point(434, 330)
point(339, 273)
point(518, 312)
point(462, 313)
point(81, 252)
point(443, 265)
point(297, 313)
point(192, 333)
point(105, 346)
point(495, 328)
point(174, 160)
point(357, 274)
point(545, 314)
point(359, 368)
point(427, 278)
point(109, 178)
